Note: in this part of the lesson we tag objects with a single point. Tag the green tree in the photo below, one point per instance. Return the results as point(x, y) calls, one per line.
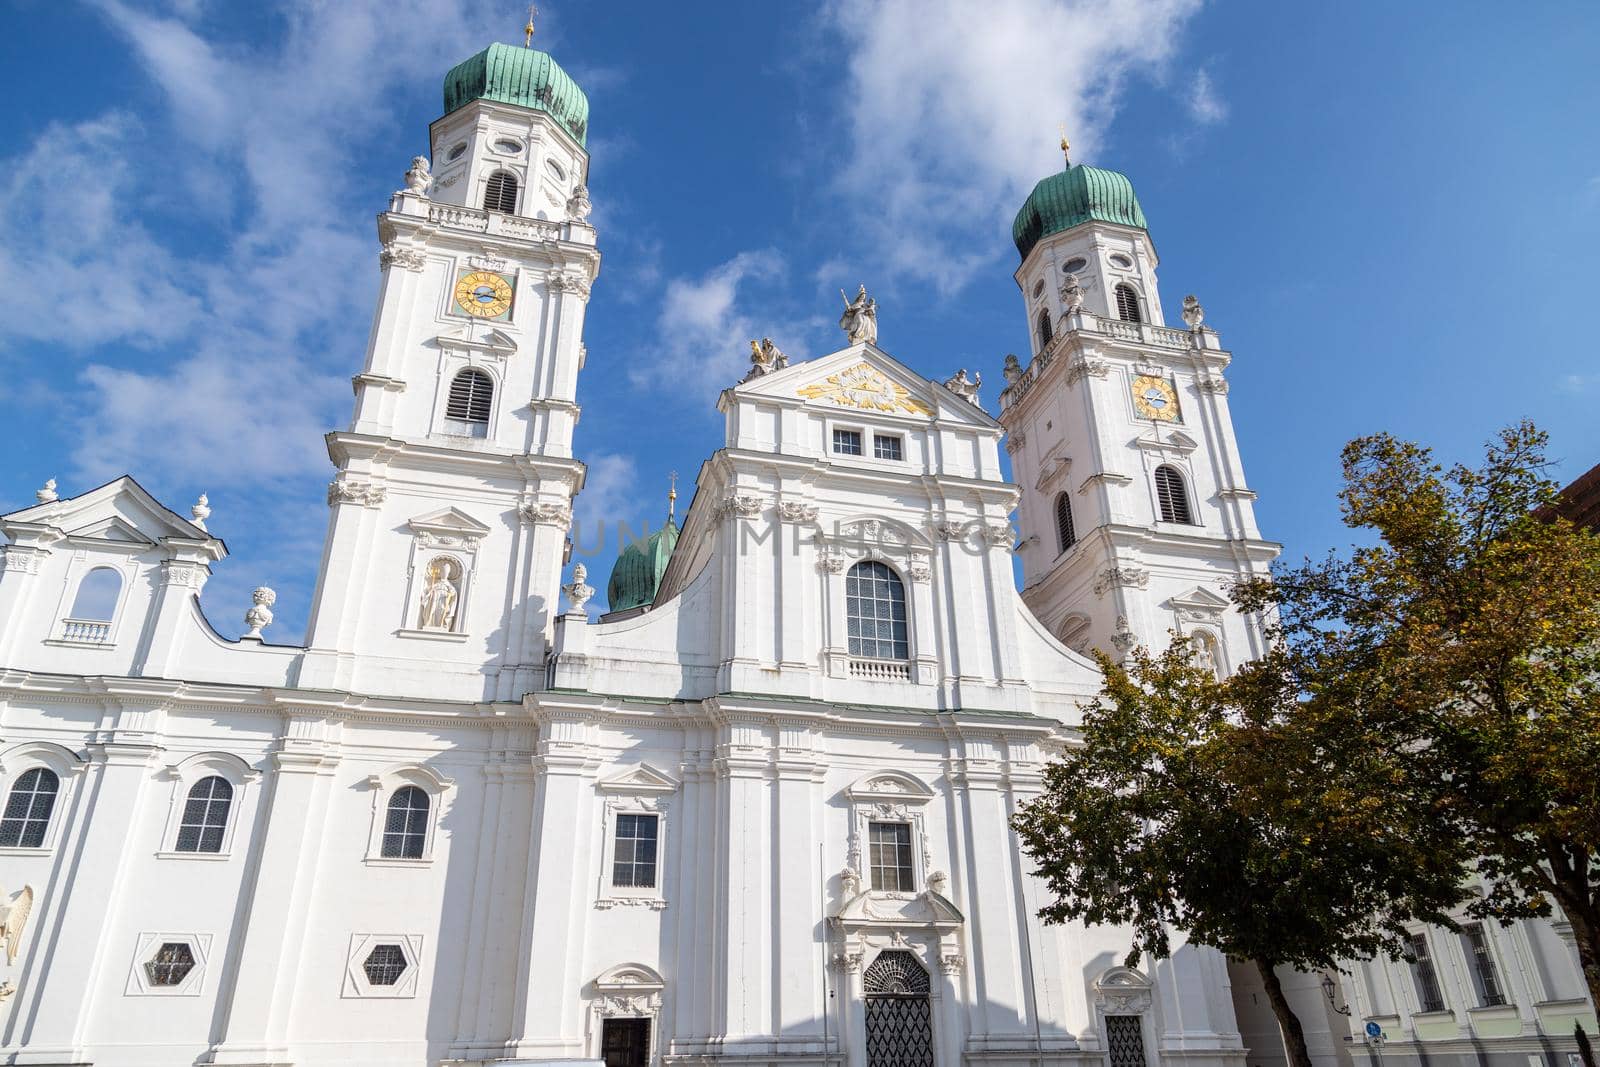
point(1244, 813)
point(1467, 631)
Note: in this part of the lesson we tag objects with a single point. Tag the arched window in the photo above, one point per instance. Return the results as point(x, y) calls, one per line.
point(1128, 303)
point(875, 609)
point(405, 831)
point(501, 193)
point(1064, 531)
point(899, 1022)
point(97, 596)
point(1172, 497)
point(471, 394)
point(1075, 633)
point(1046, 333)
point(28, 809)
point(205, 815)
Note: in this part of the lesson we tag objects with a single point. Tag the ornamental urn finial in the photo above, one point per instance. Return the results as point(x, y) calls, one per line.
point(47, 492)
point(201, 511)
point(259, 617)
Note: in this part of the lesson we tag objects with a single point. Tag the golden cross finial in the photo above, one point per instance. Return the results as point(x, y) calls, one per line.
point(1065, 147)
point(527, 40)
point(672, 495)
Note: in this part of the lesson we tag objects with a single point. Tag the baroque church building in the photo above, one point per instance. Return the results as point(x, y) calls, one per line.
point(756, 814)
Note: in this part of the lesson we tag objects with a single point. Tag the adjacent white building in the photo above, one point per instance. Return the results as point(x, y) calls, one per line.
point(759, 816)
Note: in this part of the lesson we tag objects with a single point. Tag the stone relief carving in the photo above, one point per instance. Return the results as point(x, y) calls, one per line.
point(950, 530)
point(397, 255)
point(259, 617)
point(183, 575)
point(418, 179)
point(919, 572)
point(570, 281)
point(441, 595)
point(547, 514)
point(1122, 636)
point(1214, 385)
point(1015, 441)
point(860, 318)
point(486, 260)
point(1083, 368)
point(742, 506)
point(14, 913)
point(1113, 577)
point(952, 963)
point(965, 388)
point(795, 511)
point(1001, 535)
point(349, 491)
point(831, 563)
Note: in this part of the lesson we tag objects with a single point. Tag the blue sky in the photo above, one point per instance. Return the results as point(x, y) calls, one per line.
point(1390, 213)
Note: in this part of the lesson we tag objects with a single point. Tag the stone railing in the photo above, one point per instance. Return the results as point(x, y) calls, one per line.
point(493, 223)
point(85, 631)
point(880, 670)
point(1140, 333)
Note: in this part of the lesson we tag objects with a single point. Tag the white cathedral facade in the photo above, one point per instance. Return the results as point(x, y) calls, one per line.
point(757, 816)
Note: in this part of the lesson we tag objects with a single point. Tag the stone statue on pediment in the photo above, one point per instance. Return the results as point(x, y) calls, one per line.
point(860, 318)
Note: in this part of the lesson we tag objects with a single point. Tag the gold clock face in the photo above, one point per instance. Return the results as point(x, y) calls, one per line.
point(483, 294)
point(1155, 398)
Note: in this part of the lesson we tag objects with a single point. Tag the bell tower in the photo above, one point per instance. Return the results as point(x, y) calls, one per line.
point(1134, 515)
point(453, 488)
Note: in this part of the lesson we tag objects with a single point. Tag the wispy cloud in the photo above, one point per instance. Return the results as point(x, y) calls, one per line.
point(954, 106)
point(1205, 105)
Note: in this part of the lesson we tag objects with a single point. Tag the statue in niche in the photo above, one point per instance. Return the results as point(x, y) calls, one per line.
point(441, 595)
point(860, 318)
point(1071, 293)
point(418, 178)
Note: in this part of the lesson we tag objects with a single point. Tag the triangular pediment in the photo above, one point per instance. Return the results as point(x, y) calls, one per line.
point(863, 379)
point(640, 779)
point(121, 511)
point(1200, 601)
point(450, 522)
point(1172, 441)
point(494, 341)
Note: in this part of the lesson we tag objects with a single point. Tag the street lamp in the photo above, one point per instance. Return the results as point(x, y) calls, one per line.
point(1327, 991)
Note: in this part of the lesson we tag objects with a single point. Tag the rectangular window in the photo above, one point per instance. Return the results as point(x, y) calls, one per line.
point(1125, 1040)
point(887, 448)
point(847, 442)
point(1426, 978)
point(890, 858)
point(1485, 979)
point(634, 857)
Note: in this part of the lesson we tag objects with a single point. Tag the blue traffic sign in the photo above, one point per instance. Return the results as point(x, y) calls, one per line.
point(1374, 1030)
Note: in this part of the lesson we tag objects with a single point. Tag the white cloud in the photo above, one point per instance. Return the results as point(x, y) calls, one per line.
point(954, 107)
point(1205, 106)
point(610, 496)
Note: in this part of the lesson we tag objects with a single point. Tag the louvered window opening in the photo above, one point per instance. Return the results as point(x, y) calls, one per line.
point(1064, 531)
point(205, 816)
point(471, 394)
point(875, 612)
point(501, 193)
point(1484, 975)
point(1427, 979)
point(634, 862)
point(1046, 333)
point(385, 964)
point(1125, 1040)
point(1128, 304)
point(1172, 497)
point(405, 830)
point(28, 809)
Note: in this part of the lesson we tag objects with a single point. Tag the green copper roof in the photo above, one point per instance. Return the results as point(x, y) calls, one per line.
point(1077, 195)
point(520, 76)
point(638, 570)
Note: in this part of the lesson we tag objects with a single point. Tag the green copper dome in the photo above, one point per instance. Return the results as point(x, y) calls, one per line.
point(520, 76)
point(638, 570)
point(1077, 195)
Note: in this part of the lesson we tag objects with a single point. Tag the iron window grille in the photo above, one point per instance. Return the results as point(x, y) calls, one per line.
point(899, 1024)
point(205, 816)
point(385, 964)
point(847, 442)
point(405, 830)
point(887, 448)
point(889, 857)
point(1172, 497)
point(875, 612)
point(170, 965)
point(1427, 979)
point(1125, 1040)
point(501, 193)
point(1484, 974)
point(1128, 304)
point(28, 808)
point(633, 864)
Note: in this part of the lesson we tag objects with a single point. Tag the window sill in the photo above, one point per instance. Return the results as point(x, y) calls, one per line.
point(21, 850)
point(396, 861)
point(654, 902)
point(433, 635)
point(62, 642)
point(209, 857)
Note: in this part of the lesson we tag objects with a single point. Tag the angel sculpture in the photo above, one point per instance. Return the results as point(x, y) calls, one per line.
point(14, 919)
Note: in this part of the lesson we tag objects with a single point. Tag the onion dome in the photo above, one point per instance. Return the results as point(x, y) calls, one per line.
point(510, 74)
point(1077, 195)
point(637, 573)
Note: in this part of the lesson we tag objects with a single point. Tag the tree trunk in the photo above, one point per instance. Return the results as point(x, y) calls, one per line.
point(1294, 1038)
point(1587, 934)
